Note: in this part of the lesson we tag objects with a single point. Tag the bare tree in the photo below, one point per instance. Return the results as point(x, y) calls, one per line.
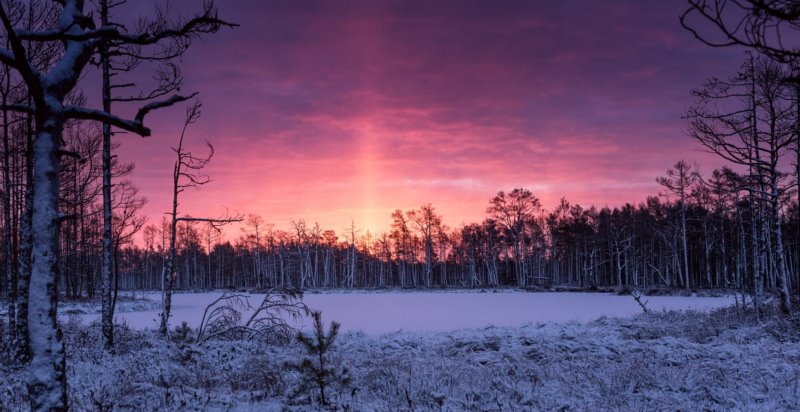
point(185, 174)
point(761, 25)
point(679, 180)
point(768, 27)
point(256, 225)
point(127, 222)
point(80, 39)
point(749, 120)
point(115, 60)
point(516, 210)
point(428, 223)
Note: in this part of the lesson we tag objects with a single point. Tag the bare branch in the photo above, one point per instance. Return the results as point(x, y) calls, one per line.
point(135, 126)
point(161, 104)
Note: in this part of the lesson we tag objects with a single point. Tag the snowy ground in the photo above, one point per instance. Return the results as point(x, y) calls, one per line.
point(723, 360)
point(126, 302)
point(376, 313)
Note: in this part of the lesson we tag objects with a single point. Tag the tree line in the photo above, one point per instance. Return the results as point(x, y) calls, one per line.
point(698, 234)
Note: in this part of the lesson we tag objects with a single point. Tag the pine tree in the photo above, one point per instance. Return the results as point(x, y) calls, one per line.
point(315, 370)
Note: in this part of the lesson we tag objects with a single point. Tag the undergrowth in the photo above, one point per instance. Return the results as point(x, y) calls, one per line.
point(728, 359)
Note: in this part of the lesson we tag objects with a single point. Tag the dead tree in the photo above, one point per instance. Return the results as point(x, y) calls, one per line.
point(427, 223)
point(761, 25)
point(755, 136)
point(37, 15)
point(117, 58)
point(185, 174)
point(679, 179)
point(516, 211)
point(127, 222)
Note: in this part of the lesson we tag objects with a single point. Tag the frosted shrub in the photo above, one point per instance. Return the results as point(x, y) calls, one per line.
point(224, 317)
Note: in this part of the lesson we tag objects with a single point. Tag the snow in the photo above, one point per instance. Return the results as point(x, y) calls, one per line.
point(724, 360)
point(378, 313)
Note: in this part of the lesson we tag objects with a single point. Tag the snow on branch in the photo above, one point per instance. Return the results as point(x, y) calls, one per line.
point(135, 126)
point(64, 34)
point(7, 58)
point(152, 32)
point(144, 110)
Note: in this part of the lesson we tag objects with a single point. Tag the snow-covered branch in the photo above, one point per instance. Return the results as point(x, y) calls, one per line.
point(144, 110)
point(207, 22)
point(7, 58)
point(82, 113)
point(135, 126)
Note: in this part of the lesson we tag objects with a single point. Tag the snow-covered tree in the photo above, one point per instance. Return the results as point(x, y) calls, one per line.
point(78, 38)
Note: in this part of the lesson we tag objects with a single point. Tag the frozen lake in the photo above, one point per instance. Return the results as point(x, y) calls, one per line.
point(377, 313)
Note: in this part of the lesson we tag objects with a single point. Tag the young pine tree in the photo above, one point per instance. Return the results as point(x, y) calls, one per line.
point(316, 374)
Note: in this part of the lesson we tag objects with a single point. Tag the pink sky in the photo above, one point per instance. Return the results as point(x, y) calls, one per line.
point(332, 111)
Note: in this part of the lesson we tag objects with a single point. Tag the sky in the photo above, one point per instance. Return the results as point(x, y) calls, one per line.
point(344, 111)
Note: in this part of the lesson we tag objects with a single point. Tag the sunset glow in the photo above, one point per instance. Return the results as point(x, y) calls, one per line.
point(332, 112)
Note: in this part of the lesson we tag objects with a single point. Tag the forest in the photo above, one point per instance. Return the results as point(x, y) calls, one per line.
point(518, 244)
point(72, 227)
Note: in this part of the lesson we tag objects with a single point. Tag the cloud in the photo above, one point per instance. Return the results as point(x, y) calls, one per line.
point(333, 110)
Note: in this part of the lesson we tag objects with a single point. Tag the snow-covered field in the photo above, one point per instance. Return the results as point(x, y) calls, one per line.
point(724, 360)
point(377, 313)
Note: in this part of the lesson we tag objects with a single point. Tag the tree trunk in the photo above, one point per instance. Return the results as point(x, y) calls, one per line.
point(25, 249)
point(169, 281)
point(47, 383)
point(758, 286)
point(781, 269)
point(10, 273)
point(107, 309)
point(683, 239)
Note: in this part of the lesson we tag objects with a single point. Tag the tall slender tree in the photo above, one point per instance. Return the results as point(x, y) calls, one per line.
point(185, 174)
point(679, 180)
